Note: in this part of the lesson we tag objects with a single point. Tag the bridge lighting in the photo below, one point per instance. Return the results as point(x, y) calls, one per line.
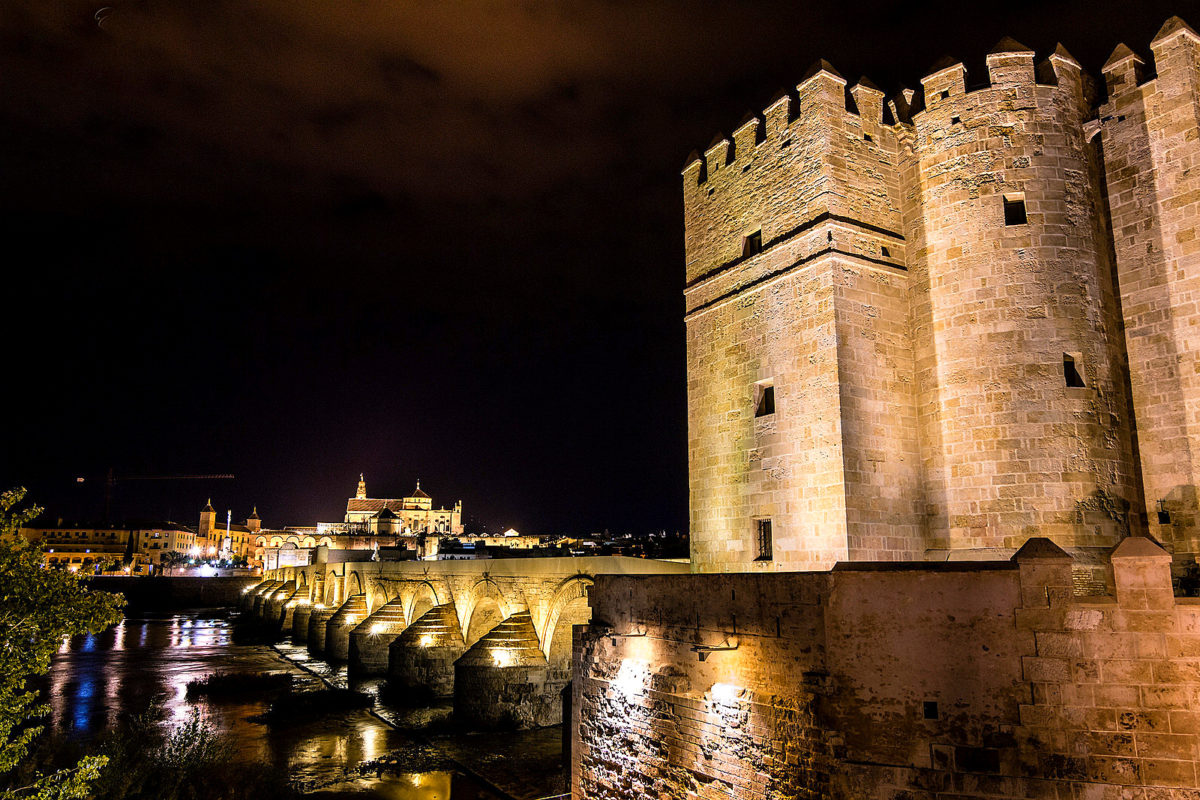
point(377, 628)
point(504, 657)
point(351, 622)
point(426, 640)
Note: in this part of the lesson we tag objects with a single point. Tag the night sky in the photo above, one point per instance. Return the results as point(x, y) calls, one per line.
point(295, 240)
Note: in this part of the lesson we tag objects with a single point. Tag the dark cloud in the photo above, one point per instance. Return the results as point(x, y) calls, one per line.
point(296, 239)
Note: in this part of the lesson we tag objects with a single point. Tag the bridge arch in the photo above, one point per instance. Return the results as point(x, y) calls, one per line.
point(424, 597)
point(568, 607)
point(353, 585)
point(376, 598)
point(484, 609)
point(333, 587)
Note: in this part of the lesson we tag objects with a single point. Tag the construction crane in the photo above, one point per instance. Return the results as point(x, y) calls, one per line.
point(111, 480)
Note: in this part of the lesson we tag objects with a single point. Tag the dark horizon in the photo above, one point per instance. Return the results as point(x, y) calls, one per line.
point(405, 239)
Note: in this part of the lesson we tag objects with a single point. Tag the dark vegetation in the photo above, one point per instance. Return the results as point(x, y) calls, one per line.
point(147, 760)
point(303, 706)
point(231, 685)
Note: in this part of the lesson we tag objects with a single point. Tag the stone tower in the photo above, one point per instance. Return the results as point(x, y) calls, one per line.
point(1148, 133)
point(208, 522)
point(905, 340)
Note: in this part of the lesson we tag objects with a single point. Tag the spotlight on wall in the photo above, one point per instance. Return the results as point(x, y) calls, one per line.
point(703, 651)
point(726, 693)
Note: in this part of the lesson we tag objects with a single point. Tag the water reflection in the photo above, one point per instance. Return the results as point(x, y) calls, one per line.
point(429, 786)
point(94, 680)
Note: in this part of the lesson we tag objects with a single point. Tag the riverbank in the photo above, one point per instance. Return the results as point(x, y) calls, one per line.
point(389, 751)
point(515, 765)
point(173, 593)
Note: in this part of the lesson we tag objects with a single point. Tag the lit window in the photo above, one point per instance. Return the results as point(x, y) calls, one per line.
point(766, 545)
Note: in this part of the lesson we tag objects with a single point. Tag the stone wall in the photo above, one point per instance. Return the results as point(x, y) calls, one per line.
point(981, 679)
point(933, 295)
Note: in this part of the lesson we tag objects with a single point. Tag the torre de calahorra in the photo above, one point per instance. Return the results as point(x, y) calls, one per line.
point(933, 327)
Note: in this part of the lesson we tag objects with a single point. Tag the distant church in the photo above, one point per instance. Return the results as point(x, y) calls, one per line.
point(410, 515)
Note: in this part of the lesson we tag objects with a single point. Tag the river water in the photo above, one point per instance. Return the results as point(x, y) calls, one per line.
point(147, 658)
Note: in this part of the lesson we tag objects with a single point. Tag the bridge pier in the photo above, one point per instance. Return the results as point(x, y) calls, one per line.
point(273, 609)
point(421, 659)
point(248, 599)
point(343, 621)
point(288, 612)
point(316, 627)
point(370, 640)
point(273, 600)
point(503, 680)
point(300, 617)
point(256, 603)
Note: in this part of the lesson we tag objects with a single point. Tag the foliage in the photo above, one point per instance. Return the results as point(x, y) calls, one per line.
point(190, 761)
point(236, 684)
point(172, 559)
point(303, 706)
point(38, 609)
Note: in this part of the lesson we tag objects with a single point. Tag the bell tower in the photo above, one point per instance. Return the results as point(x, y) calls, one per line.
point(362, 488)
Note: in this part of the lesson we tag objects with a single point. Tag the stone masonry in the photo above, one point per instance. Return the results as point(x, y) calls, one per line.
point(938, 326)
point(892, 682)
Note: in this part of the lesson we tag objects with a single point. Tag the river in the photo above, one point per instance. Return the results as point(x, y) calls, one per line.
point(94, 679)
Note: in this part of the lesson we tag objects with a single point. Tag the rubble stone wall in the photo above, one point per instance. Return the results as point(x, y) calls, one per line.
point(975, 679)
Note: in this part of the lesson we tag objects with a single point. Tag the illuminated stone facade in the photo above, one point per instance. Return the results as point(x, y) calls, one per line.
point(892, 682)
point(935, 327)
point(961, 329)
point(403, 516)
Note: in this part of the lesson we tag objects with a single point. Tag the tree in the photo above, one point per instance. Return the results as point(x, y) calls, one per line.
point(172, 559)
point(38, 609)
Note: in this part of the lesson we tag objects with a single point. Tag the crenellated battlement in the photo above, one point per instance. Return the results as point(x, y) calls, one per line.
point(923, 287)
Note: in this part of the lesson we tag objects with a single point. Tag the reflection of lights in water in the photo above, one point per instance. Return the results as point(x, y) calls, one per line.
point(370, 744)
point(89, 643)
point(426, 786)
point(426, 640)
point(81, 714)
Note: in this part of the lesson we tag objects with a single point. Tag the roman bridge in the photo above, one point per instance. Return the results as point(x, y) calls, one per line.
point(494, 634)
